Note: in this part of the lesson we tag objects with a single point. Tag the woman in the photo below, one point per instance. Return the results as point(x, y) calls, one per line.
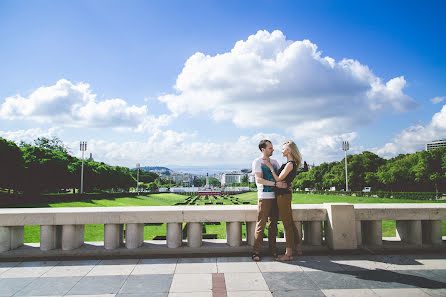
point(287, 173)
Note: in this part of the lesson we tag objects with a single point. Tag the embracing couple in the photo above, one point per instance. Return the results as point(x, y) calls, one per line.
point(274, 198)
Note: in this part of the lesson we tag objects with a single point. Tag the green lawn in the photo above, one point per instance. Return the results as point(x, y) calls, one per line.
point(96, 232)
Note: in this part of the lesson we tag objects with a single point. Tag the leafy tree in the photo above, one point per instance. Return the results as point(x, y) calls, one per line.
point(52, 144)
point(12, 165)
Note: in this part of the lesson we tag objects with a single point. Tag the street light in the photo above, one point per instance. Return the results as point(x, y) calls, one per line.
point(137, 178)
point(345, 147)
point(83, 148)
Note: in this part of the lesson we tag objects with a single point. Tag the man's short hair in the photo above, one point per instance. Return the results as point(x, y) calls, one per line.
point(262, 144)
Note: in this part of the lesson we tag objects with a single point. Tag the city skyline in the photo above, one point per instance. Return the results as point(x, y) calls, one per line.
point(198, 84)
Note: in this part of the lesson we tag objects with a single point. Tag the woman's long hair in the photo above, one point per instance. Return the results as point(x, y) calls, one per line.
point(294, 152)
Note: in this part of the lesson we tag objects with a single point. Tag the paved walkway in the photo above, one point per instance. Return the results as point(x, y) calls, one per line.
point(358, 275)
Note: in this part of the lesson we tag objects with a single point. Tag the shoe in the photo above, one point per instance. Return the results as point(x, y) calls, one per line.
point(256, 257)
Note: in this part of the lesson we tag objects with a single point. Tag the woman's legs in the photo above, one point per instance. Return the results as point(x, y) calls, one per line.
point(284, 204)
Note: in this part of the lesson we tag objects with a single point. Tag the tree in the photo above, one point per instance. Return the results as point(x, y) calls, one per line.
point(12, 165)
point(52, 144)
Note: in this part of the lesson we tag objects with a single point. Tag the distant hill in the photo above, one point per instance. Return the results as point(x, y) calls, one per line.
point(157, 168)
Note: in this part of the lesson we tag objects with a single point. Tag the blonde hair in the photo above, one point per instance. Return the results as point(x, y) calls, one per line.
point(294, 152)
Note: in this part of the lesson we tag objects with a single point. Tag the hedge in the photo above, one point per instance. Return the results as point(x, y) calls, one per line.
point(381, 194)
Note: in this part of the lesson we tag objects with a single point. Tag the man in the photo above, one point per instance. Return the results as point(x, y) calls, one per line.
point(267, 204)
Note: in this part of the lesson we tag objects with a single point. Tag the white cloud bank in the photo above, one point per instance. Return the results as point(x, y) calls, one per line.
point(74, 105)
point(414, 138)
point(269, 81)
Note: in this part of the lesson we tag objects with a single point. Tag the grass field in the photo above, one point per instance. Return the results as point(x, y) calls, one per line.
point(96, 232)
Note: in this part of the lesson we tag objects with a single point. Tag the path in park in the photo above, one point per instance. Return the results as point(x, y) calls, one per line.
point(356, 275)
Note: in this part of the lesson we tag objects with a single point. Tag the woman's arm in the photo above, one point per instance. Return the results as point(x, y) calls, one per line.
point(283, 174)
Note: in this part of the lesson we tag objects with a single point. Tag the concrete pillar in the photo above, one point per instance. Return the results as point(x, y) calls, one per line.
point(134, 235)
point(359, 233)
point(50, 237)
point(372, 233)
point(17, 236)
point(194, 235)
point(341, 227)
point(174, 236)
point(250, 233)
point(313, 232)
point(431, 232)
point(11, 237)
point(112, 236)
point(306, 232)
point(72, 236)
point(234, 233)
point(409, 231)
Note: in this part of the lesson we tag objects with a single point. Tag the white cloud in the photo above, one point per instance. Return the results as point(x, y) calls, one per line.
point(438, 99)
point(29, 135)
point(74, 105)
point(270, 81)
point(414, 138)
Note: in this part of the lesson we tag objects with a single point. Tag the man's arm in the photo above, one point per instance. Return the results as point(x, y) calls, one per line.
point(265, 182)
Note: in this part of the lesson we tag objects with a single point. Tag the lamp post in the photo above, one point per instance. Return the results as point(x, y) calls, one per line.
point(137, 178)
point(83, 148)
point(345, 148)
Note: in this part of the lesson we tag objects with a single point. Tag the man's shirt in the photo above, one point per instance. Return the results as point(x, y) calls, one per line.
point(258, 166)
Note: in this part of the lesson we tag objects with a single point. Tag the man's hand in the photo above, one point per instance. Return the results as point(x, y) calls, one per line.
point(281, 185)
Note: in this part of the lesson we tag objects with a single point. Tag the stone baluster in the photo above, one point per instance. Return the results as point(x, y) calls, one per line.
point(194, 234)
point(250, 233)
point(174, 235)
point(371, 233)
point(134, 235)
point(112, 236)
point(234, 233)
point(72, 236)
point(11, 237)
point(409, 231)
point(431, 231)
point(50, 237)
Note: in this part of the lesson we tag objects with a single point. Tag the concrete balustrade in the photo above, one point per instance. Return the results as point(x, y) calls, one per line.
point(346, 226)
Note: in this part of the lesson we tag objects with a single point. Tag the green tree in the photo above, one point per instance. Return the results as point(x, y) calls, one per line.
point(12, 165)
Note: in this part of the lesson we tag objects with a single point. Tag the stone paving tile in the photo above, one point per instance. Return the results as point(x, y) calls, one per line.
point(143, 284)
point(245, 282)
point(71, 268)
point(287, 281)
point(186, 283)
point(143, 295)
point(349, 293)
point(276, 266)
point(10, 286)
point(412, 292)
point(249, 294)
point(196, 267)
point(94, 295)
point(94, 285)
point(192, 294)
point(114, 267)
point(358, 262)
point(435, 292)
point(237, 267)
point(155, 266)
point(335, 280)
point(55, 286)
point(300, 293)
point(430, 279)
point(317, 263)
point(29, 269)
point(5, 266)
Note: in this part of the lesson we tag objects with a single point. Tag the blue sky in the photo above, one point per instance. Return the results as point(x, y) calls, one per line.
point(164, 83)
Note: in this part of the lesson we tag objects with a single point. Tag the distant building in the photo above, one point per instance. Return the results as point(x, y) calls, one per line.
point(91, 158)
point(235, 177)
point(434, 144)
